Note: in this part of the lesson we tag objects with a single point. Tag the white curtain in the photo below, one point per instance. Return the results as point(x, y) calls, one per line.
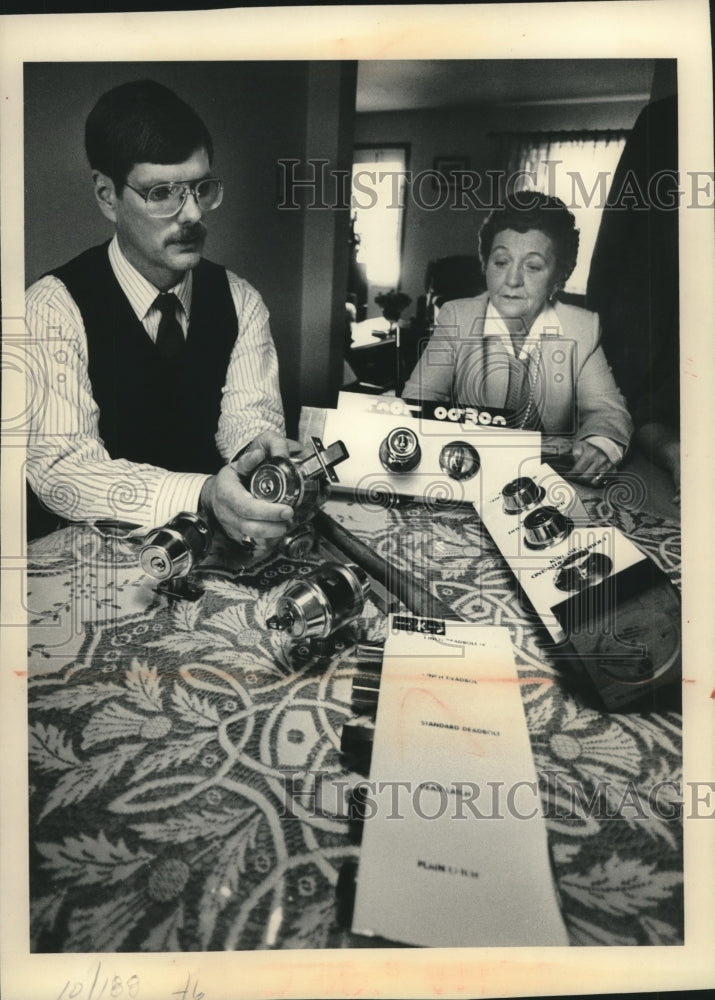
point(578, 168)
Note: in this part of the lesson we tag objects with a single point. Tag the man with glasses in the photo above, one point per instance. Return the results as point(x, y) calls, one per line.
point(158, 366)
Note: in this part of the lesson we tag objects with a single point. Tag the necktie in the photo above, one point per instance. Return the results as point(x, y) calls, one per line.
point(170, 340)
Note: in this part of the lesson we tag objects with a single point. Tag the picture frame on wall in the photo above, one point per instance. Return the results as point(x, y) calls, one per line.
point(446, 169)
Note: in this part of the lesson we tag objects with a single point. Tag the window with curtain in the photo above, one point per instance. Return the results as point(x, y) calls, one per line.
point(578, 168)
point(377, 205)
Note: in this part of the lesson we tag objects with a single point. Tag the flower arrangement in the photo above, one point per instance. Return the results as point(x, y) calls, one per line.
point(392, 303)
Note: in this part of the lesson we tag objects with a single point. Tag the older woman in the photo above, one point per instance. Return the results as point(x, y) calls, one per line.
point(518, 349)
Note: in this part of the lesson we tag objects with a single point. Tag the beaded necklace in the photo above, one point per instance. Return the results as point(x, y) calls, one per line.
point(532, 367)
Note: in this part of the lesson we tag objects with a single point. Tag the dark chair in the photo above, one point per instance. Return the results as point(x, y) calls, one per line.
point(457, 277)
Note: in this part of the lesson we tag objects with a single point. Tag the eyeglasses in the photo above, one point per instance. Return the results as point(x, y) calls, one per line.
point(164, 200)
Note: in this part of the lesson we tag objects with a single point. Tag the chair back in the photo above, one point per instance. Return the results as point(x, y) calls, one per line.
point(456, 277)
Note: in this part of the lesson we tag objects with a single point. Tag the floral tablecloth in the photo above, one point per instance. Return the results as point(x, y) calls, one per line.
point(182, 754)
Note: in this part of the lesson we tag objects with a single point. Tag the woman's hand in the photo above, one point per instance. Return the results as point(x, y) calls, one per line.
point(590, 464)
point(241, 515)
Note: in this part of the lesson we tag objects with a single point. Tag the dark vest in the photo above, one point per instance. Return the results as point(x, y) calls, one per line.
point(162, 413)
point(150, 410)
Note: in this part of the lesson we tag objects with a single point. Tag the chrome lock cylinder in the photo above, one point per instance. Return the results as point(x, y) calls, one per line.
point(459, 460)
point(546, 526)
point(322, 602)
point(521, 495)
point(400, 451)
point(299, 542)
point(302, 485)
point(172, 551)
point(583, 569)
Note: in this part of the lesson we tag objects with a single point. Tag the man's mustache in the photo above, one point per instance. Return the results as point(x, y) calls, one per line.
point(189, 235)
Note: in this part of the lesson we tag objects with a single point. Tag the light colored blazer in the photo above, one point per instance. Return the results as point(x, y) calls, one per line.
point(575, 392)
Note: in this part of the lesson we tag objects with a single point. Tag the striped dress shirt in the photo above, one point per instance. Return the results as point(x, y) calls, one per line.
point(67, 464)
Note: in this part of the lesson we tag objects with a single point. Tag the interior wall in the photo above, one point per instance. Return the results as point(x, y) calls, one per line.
point(467, 132)
point(258, 114)
point(329, 139)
